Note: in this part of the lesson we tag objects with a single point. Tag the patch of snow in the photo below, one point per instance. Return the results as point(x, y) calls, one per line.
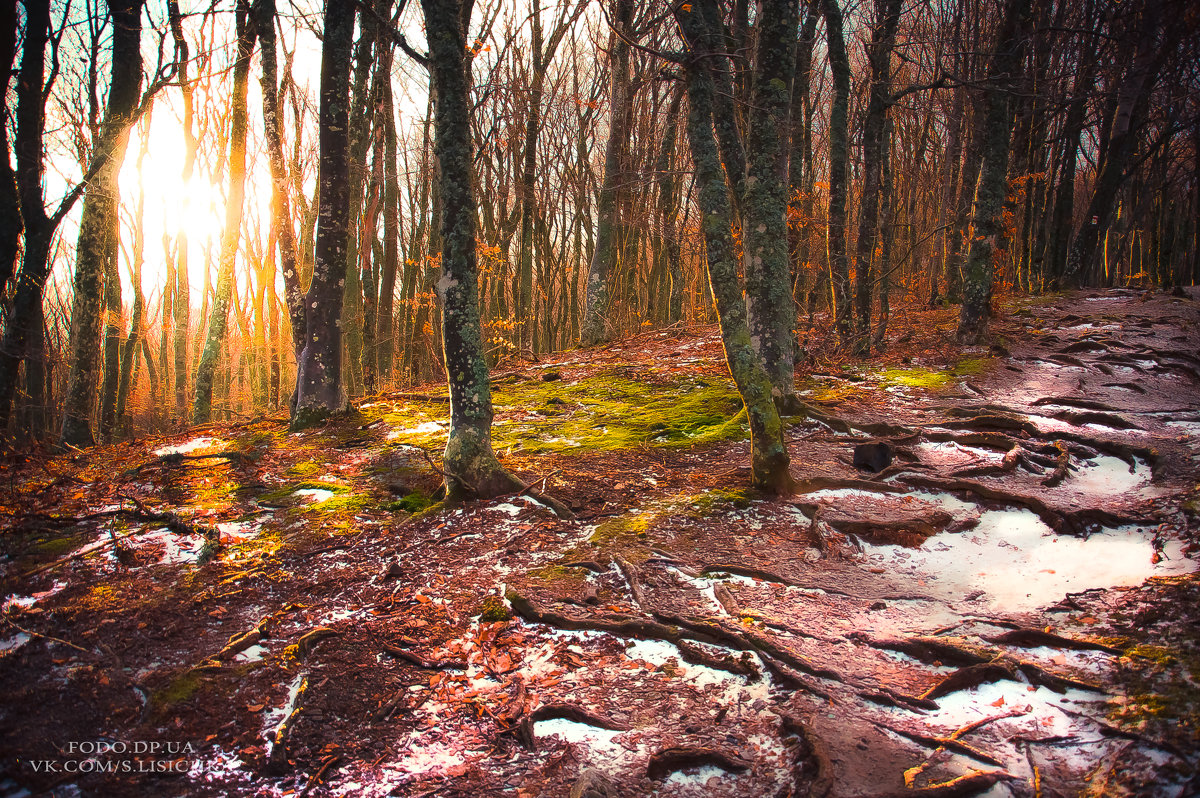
point(1021, 564)
point(510, 509)
point(1108, 476)
point(317, 495)
point(695, 776)
point(13, 643)
point(252, 654)
point(424, 428)
point(28, 601)
point(236, 531)
point(275, 717)
point(194, 445)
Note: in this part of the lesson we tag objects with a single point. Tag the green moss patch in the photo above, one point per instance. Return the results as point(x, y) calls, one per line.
point(609, 412)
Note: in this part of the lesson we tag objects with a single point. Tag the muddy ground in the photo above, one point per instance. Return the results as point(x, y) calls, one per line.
point(1008, 608)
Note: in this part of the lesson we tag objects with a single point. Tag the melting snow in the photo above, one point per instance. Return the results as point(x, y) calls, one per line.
point(193, 445)
point(13, 643)
point(1022, 564)
point(317, 495)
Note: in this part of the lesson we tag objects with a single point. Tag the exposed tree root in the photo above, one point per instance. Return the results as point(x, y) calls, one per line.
point(414, 658)
point(890, 698)
point(240, 642)
point(667, 761)
point(309, 641)
point(1004, 669)
point(1033, 638)
point(1073, 401)
point(949, 743)
point(812, 769)
point(742, 666)
point(1060, 466)
point(930, 650)
point(277, 745)
point(963, 786)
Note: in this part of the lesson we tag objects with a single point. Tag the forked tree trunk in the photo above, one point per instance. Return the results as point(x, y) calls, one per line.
point(769, 458)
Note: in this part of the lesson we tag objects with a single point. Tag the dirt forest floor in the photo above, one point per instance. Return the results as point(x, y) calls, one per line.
point(1008, 608)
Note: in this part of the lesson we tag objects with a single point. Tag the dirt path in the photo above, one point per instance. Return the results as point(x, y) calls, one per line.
point(1006, 608)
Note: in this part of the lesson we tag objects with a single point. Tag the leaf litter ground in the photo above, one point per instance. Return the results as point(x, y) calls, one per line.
point(1007, 609)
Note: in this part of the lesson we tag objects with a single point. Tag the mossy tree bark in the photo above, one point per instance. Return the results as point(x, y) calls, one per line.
point(98, 223)
point(987, 216)
point(839, 167)
point(769, 458)
point(772, 311)
point(319, 391)
point(218, 320)
point(874, 146)
point(607, 253)
point(471, 467)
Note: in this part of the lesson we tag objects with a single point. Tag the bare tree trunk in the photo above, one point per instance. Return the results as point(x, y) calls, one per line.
point(769, 458)
point(995, 130)
point(772, 311)
point(472, 470)
point(218, 320)
point(319, 391)
point(264, 16)
point(98, 223)
point(606, 254)
point(839, 167)
point(874, 145)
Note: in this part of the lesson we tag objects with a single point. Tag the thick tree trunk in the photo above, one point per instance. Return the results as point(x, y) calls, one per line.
point(24, 323)
point(606, 255)
point(218, 320)
point(839, 168)
point(800, 164)
point(769, 458)
point(99, 222)
point(471, 467)
point(772, 311)
point(319, 391)
point(995, 131)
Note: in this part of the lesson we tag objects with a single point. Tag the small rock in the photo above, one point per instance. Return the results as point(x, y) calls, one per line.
point(879, 605)
point(551, 376)
point(872, 457)
point(393, 570)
